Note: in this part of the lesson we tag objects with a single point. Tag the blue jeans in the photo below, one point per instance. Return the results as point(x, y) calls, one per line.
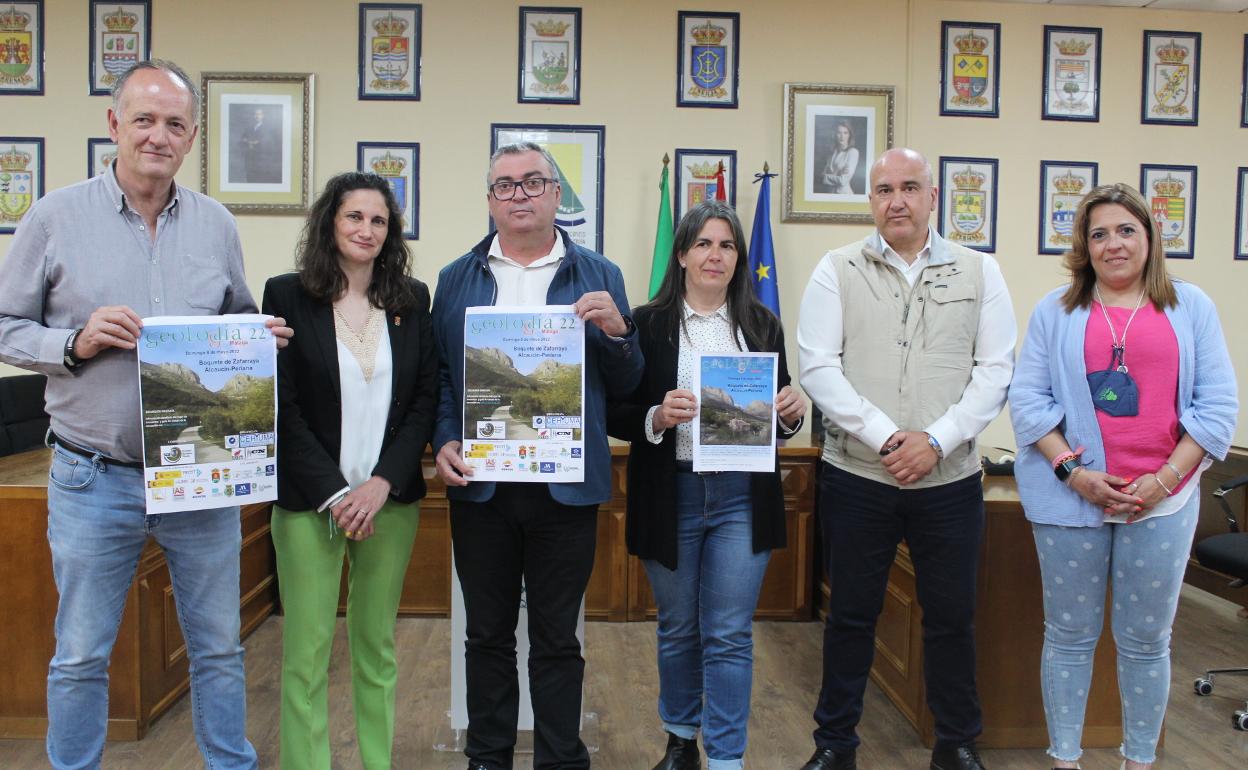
point(1143, 563)
point(706, 608)
point(96, 530)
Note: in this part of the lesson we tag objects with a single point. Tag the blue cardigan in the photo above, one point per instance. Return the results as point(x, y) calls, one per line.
point(1050, 390)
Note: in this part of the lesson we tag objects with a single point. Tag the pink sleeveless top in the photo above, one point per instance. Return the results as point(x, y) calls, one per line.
point(1140, 444)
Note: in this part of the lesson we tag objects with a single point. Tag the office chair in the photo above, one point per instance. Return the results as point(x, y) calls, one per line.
point(1227, 554)
point(22, 419)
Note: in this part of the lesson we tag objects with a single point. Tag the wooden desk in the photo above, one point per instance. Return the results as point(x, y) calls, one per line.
point(148, 672)
point(618, 589)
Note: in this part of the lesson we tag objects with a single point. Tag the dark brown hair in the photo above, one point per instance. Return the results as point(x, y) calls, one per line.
point(745, 312)
point(316, 258)
point(1078, 261)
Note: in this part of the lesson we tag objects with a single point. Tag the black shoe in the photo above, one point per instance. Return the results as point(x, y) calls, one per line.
point(682, 754)
point(964, 757)
point(827, 759)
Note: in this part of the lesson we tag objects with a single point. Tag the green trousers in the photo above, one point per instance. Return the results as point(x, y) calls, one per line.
point(309, 566)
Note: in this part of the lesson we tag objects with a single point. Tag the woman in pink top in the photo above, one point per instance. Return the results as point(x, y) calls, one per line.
point(1123, 389)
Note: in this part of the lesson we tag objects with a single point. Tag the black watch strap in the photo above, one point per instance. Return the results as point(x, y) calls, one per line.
point(71, 359)
point(1064, 469)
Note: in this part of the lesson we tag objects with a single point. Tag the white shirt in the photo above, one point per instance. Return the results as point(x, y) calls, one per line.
point(365, 407)
point(524, 284)
point(820, 332)
point(710, 333)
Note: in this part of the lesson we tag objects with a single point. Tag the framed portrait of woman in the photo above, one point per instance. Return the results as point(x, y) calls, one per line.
point(833, 133)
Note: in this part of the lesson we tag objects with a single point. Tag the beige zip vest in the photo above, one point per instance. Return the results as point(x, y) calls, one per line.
point(907, 350)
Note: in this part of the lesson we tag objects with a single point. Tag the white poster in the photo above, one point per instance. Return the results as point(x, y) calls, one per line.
point(208, 393)
point(735, 429)
point(524, 391)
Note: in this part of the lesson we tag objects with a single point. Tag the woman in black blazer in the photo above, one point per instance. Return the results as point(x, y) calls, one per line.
point(704, 538)
point(357, 389)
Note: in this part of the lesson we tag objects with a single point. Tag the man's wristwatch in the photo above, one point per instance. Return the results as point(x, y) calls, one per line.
point(934, 444)
point(71, 359)
point(1063, 469)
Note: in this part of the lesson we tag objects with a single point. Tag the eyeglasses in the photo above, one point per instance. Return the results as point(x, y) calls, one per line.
point(533, 187)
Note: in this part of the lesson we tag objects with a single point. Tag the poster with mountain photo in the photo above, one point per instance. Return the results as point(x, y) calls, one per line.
point(524, 393)
point(735, 429)
point(208, 400)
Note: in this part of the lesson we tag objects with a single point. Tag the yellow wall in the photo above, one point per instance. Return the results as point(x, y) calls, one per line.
point(628, 66)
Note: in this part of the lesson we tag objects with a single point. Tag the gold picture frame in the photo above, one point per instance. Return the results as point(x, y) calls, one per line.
point(825, 177)
point(256, 147)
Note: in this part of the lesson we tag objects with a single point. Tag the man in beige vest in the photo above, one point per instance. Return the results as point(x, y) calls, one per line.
point(907, 346)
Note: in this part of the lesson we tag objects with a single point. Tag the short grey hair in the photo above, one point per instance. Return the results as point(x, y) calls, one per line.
point(519, 148)
point(163, 65)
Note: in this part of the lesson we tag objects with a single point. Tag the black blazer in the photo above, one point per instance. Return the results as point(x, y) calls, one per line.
point(309, 415)
point(650, 529)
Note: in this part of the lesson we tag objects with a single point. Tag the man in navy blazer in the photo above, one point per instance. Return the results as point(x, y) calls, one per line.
point(510, 534)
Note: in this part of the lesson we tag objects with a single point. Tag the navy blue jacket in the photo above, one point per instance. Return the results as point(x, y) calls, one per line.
point(612, 367)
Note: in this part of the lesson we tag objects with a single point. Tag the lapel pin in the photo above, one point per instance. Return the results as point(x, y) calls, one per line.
point(397, 320)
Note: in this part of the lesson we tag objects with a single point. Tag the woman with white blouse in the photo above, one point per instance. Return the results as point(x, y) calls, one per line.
point(842, 162)
point(705, 538)
point(357, 388)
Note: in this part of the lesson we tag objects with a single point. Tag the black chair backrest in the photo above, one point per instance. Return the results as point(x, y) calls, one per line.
point(22, 419)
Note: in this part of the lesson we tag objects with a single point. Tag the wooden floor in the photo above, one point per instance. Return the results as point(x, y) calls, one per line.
point(621, 686)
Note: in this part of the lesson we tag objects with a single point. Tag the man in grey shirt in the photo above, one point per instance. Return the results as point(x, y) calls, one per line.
point(128, 243)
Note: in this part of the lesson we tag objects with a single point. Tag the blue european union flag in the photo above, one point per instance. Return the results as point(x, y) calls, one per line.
point(762, 252)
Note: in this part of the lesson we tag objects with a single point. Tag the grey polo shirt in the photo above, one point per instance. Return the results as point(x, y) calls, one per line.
point(82, 247)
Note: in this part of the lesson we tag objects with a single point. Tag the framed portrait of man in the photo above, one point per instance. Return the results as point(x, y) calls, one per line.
point(833, 133)
point(256, 148)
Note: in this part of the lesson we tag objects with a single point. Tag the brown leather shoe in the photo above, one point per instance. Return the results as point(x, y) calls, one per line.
point(682, 754)
point(827, 759)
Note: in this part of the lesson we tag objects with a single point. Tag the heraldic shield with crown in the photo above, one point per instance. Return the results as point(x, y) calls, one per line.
point(391, 51)
point(17, 186)
point(17, 48)
point(710, 61)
